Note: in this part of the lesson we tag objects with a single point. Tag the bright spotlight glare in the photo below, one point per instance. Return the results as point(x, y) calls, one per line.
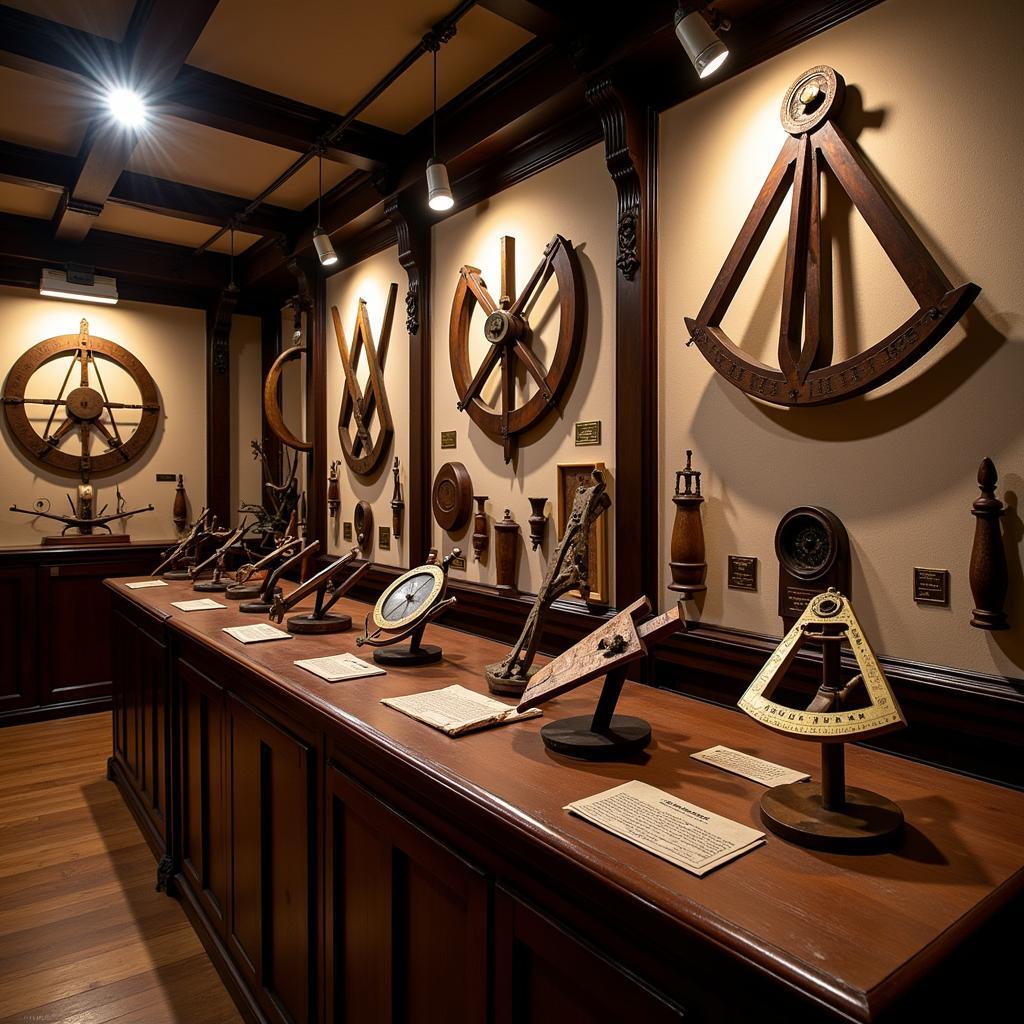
point(127, 107)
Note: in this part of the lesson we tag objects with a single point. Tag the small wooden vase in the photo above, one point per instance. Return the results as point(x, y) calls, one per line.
point(506, 552)
point(480, 536)
point(688, 565)
point(988, 558)
point(538, 522)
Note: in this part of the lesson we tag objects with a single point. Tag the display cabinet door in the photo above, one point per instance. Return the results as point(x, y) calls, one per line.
point(545, 975)
point(204, 826)
point(407, 917)
point(272, 845)
point(18, 666)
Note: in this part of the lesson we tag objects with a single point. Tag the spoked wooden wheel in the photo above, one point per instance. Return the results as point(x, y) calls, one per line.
point(81, 407)
point(510, 337)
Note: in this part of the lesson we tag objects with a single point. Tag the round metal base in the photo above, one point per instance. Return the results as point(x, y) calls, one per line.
point(254, 607)
point(330, 623)
point(425, 654)
point(243, 591)
point(867, 821)
point(176, 574)
point(210, 586)
point(573, 737)
point(504, 686)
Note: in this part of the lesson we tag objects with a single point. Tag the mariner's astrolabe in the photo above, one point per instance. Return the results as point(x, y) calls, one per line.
point(408, 596)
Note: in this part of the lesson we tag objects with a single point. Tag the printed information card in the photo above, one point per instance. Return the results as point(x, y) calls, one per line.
point(337, 667)
point(750, 767)
point(201, 604)
point(679, 832)
point(145, 584)
point(257, 633)
point(455, 710)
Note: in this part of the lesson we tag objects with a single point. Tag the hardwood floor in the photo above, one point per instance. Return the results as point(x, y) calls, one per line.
point(84, 938)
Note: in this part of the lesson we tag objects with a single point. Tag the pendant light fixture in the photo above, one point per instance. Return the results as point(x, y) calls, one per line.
point(439, 191)
point(321, 240)
point(701, 40)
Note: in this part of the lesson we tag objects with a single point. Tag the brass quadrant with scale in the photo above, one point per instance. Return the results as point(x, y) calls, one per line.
point(85, 409)
point(507, 330)
point(806, 375)
point(363, 452)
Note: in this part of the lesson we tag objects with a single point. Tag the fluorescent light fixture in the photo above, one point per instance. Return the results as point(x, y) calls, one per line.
point(324, 249)
point(701, 42)
point(78, 285)
point(127, 106)
point(439, 192)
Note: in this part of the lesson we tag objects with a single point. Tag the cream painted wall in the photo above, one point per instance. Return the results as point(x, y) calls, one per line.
point(171, 343)
point(370, 280)
point(576, 199)
point(930, 105)
point(246, 412)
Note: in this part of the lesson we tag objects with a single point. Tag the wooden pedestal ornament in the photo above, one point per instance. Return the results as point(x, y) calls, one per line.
point(988, 556)
point(538, 521)
point(688, 565)
point(179, 512)
point(333, 491)
point(328, 589)
point(397, 504)
point(608, 652)
point(829, 815)
point(480, 534)
point(506, 554)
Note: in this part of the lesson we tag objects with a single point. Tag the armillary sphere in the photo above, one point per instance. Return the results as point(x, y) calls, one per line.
point(510, 337)
point(806, 375)
point(82, 410)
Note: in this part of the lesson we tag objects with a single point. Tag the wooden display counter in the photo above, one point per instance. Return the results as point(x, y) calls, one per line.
point(344, 862)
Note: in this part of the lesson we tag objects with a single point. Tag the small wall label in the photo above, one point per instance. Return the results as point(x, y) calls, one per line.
point(346, 531)
point(931, 586)
point(742, 572)
point(588, 432)
point(459, 562)
point(447, 438)
point(166, 478)
point(384, 538)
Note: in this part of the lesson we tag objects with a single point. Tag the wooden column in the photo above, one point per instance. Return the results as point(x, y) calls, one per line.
point(218, 403)
point(631, 139)
point(406, 214)
point(270, 349)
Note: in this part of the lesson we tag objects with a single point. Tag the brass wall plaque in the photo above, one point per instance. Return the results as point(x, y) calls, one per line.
point(459, 562)
point(166, 478)
point(447, 439)
point(742, 572)
point(588, 432)
point(931, 586)
point(346, 531)
point(384, 538)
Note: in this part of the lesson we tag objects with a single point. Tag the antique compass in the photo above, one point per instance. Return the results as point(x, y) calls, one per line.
point(806, 375)
point(81, 408)
point(828, 814)
point(509, 336)
point(813, 549)
point(405, 608)
point(363, 453)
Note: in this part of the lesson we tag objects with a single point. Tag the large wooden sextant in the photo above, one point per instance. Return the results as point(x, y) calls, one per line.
point(509, 335)
point(806, 375)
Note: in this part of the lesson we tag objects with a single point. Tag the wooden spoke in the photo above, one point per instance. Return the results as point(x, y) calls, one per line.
point(534, 368)
point(113, 439)
point(538, 278)
point(116, 442)
point(791, 357)
point(486, 368)
point(60, 433)
point(479, 290)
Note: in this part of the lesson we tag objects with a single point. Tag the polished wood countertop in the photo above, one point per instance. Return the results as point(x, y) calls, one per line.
point(851, 931)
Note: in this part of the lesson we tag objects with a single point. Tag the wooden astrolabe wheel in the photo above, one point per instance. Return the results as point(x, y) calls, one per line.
point(510, 339)
point(81, 407)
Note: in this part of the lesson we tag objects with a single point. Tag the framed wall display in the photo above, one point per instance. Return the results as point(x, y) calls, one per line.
point(572, 476)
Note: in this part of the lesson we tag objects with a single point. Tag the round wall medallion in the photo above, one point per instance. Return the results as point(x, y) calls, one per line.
point(816, 94)
point(452, 497)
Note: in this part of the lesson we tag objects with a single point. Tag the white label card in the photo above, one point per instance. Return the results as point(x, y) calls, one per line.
point(337, 667)
point(455, 710)
point(257, 633)
point(145, 584)
point(750, 767)
point(201, 604)
point(677, 831)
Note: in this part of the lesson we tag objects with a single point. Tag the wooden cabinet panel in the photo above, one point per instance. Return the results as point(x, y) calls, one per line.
point(407, 928)
point(545, 975)
point(18, 668)
point(202, 785)
point(272, 844)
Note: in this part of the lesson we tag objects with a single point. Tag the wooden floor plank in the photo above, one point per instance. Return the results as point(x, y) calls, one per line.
point(84, 938)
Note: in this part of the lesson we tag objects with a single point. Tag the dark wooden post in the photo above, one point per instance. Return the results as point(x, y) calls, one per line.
point(316, 408)
point(218, 403)
point(631, 139)
point(406, 214)
point(270, 349)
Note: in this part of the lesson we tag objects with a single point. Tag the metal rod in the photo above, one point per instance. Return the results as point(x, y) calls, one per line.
point(833, 755)
point(613, 684)
point(427, 44)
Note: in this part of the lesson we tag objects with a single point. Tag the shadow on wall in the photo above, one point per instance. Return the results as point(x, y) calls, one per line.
point(1011, 641)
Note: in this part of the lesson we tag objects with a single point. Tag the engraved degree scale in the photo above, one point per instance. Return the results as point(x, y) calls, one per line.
point(806, 375)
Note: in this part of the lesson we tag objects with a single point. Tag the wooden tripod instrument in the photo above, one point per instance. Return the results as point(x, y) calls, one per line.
point(271, 588)
point(321, 619)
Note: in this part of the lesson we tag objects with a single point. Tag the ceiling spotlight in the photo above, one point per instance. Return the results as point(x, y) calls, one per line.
point(321, 240)
point(700, 40)
point(439, 190)
point(127, 107)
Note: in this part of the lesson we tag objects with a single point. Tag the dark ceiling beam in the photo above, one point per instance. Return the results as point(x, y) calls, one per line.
point(54, 172)
point(159, 38)
point(547, 19)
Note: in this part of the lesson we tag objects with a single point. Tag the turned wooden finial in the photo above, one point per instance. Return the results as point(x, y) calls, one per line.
point(988, 573)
